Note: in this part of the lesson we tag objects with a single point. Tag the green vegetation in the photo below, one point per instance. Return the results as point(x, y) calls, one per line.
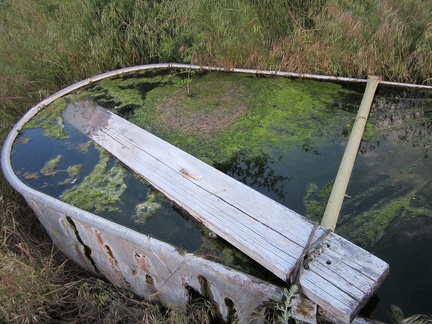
point(84, 147)
point(231, 112)
point(369, 227)
point(31, 176)
point(51, 123)
point(48, 44)
point(315, 201)
point(147, 208)
point(284, 310)
point(397, 316)
point(50, 168)
point(101, 189)
point(73, 171)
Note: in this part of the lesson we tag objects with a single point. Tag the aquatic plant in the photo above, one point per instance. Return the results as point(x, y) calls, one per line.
point(30, 175)
point(397, 316)
point(147, 208)
point(50, 120)
point(231, 113)
point(73, 171)
point(50, 168)
point(101, 189)
point(84, 147)
point(369, 227)
point(315, 201)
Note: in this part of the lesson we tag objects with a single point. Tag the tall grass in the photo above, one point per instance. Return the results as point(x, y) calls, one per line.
point(388, 38)
point(48, 44)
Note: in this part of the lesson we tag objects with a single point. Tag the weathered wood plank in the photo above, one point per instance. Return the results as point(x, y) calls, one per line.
point(340, 278)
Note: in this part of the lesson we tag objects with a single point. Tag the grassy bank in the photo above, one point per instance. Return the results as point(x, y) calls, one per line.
point(48, 44)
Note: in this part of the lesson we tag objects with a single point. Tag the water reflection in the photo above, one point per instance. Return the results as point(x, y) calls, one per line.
point(390, 210)
point(399, 122)
point(407, 248)
point(256, 172)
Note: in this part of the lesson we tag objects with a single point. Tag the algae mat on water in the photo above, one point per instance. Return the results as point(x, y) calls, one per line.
point(216, 115)
point(255, 121)
point(244, 124)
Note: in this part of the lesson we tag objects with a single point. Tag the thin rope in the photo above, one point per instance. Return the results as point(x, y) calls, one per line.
point(295, 274)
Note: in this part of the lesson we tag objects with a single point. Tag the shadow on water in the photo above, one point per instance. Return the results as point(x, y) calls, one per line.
point(256, 173)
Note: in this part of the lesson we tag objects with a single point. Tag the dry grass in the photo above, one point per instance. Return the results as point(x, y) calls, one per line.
point(392, 39)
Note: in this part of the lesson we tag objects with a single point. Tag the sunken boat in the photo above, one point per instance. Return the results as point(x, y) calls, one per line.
point(142, 176)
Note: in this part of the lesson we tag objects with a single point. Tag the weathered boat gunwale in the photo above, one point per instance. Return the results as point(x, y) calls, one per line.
point(149, 267)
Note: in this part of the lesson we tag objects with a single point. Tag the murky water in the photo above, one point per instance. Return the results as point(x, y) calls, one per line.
point(285, 138)
point(392, 181)
point(41, 149)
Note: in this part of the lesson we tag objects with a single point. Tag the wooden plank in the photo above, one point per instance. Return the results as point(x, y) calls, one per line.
point(340, 278)
point(344, 275)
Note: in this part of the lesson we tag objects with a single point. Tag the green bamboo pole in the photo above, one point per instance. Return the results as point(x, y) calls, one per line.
point(337, 195)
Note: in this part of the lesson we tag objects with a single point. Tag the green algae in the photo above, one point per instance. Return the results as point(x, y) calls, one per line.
point(85, 146)
point(147, 208)
point(220, 114)
point(73, 172)
point(370, 226)
point(216, 115)
point(118, 93)
point(23, 140)
point(124, 95)
point(50, 120)
point(315, 201)
point(31, 175)
point(281, 118)
point(50, 168)
point(367, 228)
point(102, 189)
point(370, 132)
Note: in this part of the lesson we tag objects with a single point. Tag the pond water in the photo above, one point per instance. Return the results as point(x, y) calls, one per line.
point(284, 138)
